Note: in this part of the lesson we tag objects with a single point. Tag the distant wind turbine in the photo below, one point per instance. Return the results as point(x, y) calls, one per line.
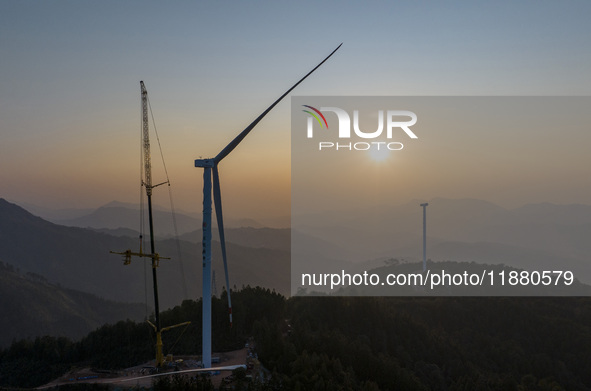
point(210, 167)
point(425, 235)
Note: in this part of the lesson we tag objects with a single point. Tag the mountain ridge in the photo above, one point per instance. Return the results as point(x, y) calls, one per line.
point(79, 258)
point(32, 307)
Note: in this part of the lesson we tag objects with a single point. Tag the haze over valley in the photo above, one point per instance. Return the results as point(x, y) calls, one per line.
point(534, 236)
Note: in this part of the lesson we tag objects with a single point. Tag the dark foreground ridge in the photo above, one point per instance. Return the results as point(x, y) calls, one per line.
point(351, 343)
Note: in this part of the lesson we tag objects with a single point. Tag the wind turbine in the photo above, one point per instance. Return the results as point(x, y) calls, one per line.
point(210, 167)
point(424, 235)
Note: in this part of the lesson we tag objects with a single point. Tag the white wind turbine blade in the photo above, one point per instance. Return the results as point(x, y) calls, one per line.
point(217, 200)
point(230, 147)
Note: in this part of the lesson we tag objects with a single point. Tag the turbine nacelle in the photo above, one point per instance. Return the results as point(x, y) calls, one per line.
point(204, 163)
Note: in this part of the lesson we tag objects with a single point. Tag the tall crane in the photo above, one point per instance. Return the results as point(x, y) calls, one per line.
point(147, 183)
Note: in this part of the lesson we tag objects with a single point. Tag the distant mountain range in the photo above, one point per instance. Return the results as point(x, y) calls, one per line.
point(79, 258)
point(121, 215)
point(117, 217)
point(533, 236)
point(32, 307)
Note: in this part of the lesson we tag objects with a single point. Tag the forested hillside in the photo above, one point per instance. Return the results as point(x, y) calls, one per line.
point(31, 306)
point(340, 343)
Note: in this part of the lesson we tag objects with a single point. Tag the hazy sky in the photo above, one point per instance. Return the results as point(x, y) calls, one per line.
point(70, 72)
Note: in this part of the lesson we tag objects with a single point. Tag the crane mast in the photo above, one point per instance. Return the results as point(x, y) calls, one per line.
point(146, 141)
point(147, 183)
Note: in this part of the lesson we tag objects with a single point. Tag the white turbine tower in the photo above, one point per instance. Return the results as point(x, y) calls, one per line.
point(424, 235)
point(210, 167)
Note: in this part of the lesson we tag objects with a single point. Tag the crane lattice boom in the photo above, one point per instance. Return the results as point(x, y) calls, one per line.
point(146, 133)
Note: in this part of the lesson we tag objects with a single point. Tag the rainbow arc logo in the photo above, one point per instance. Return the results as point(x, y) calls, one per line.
point(316, 116)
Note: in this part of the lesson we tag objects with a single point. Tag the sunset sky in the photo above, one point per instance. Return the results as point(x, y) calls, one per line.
point(70, 98)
